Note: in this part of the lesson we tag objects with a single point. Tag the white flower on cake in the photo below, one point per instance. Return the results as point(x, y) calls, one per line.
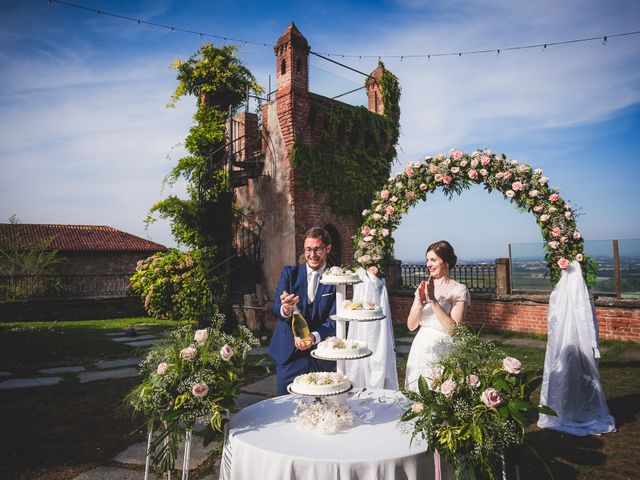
point(336, 275)
point(325, 416)
point(320, 383)
point(334, 347)
point(360, 311)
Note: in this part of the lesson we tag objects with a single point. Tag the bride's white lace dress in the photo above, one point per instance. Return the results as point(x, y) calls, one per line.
point(432, 339)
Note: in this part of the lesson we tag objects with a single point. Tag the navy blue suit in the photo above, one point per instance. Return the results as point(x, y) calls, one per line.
point(291, 362)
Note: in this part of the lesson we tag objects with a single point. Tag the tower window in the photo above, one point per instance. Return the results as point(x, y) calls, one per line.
point(298, 66)
point(283, 67)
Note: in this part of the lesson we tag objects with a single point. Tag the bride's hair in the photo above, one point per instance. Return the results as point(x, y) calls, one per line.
point(444, 250)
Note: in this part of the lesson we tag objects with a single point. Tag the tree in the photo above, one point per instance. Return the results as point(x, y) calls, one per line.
point(202, 221)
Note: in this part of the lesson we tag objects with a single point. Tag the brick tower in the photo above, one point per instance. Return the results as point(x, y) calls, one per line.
point(278, 200)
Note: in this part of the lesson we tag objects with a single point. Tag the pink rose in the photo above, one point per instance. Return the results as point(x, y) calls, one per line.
point(226, 353)
point(491, 397)
point(556, 231)
point(394, 199)
point(579, 257)
point(553, 244)
point(463, 163)
point(488, 152)
point(438, 177)
point(554, 197)
point(376, 216)
point(538, 171)
point(447, 179)
point(409, 171)
point(485, 161)
point(538, 208)
point(365, 230)
point(188, 353)
point(534, 193)
point(474, 163)
point(384, 194)
point(368, 238)
point(417, 407)
point(455, 169)
point(423, 186)
point(544, 217)
point(162, 368)
point(543, 180)
point(433, 168)
point(564, 239)
point(448, 387)
point(512, 365)
point(484, 172)
point(514, 162)
point(436, 374)
point(372, 231)
point(373, 270)
point(475, 154)
point(390, 210)
point(410, 196)
point(563, 263)
point(200, 390)
point(364, 259)
point(201, 336)
point(472, 174)
point(499, 175)
point(384, 232)
point(576, 235)
point(524, 168)
point(510, 193)
point(507, 175)
point(567, 215)
point(552, 209)
point(516, 186)
point(457, 154)
point(473, 381)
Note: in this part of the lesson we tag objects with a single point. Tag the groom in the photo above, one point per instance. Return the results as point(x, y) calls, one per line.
point(300, 286)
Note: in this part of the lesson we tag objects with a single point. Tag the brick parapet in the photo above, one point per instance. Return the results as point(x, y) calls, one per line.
point(617, 319)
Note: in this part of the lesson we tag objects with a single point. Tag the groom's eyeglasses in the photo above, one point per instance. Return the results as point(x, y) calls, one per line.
point(309, 251)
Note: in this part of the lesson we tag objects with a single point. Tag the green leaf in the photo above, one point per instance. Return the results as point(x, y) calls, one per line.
point(423, 387)
point(546, 410)
point(517, 416)
point(520, 405)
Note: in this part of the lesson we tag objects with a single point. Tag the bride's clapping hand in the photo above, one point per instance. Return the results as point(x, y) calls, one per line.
point(431, 290)
point(421, 293)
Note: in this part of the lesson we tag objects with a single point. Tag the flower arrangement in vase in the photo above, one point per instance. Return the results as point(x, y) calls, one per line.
point(191, 375)
point(475, 405)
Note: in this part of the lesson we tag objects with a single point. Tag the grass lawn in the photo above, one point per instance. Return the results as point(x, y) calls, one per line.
point(57, 432)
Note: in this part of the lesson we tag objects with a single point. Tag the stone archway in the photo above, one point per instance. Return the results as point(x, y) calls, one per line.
point(454, 172)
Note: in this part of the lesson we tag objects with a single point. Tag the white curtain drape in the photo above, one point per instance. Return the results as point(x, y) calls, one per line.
point(571, 380)
point(378, 370)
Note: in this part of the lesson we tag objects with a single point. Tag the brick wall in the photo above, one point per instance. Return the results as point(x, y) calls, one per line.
point(617, 319)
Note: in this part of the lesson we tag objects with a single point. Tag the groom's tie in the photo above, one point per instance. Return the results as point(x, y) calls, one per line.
point(312, 285)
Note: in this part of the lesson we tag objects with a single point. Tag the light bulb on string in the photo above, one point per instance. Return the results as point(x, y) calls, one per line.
point(604, 41)
point(498, 53)
point(544, 49)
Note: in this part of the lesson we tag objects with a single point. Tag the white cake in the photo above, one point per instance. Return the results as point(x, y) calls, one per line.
point(320, 383)
point(334, 347)
point(339, 275)
point(360, 311)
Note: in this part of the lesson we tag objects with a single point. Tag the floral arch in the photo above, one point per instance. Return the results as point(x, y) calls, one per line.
point(455, 172)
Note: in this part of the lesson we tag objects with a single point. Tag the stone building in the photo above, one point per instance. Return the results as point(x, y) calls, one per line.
point(278, 199)
point(85, 249)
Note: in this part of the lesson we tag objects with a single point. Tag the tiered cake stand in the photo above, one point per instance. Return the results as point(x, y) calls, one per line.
point(341, 330)
point(341, 321)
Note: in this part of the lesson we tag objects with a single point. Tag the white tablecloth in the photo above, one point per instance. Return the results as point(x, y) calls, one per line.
point(264, 443)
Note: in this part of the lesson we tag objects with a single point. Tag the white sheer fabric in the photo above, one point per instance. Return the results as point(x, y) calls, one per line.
point(571, 381)
point(432, 340)
point(378, 370)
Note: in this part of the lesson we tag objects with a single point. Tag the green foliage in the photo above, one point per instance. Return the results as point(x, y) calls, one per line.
point(193, 374)
point(354, 153)
point(219, 81)
point(475, 405)
point(174, 286)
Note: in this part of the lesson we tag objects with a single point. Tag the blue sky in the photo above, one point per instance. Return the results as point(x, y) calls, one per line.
point(85, 136)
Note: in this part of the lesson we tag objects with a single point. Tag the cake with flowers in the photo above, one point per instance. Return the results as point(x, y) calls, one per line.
point(339, 275)
point(320, 383)
point(360, 311)
point(334, 347)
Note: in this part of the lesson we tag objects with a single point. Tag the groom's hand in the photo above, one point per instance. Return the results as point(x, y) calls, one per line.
point(288, 301)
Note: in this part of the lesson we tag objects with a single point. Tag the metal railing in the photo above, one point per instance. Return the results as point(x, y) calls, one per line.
point(15, 287)
point(617, 274)
point(477, 277)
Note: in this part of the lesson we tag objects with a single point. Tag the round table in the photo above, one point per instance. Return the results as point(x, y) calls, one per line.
point(265, 443)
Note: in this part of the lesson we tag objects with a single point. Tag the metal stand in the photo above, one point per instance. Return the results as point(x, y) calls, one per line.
point(147, 461)
point(186, 456)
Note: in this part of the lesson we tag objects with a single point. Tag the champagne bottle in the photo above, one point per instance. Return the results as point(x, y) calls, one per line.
point(300, 327)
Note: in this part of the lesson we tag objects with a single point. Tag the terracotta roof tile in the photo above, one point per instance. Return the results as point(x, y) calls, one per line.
point(76, 238)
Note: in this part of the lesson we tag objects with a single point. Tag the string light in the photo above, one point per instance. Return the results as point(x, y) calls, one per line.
point(604, 39)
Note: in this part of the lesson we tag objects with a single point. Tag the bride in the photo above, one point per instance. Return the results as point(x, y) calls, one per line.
point(439, 305)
